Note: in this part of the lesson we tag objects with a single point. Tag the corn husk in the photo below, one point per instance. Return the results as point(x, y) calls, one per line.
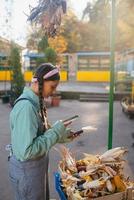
point(93, 175)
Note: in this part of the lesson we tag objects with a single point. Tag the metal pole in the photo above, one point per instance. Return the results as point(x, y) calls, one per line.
point(132, 92)
point(112, 62)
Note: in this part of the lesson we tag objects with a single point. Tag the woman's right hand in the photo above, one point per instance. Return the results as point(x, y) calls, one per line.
point(67, 123)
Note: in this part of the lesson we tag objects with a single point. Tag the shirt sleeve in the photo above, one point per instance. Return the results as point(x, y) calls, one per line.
point(25, 143)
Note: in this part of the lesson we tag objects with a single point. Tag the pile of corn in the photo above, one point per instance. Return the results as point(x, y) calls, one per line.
point(94, 175)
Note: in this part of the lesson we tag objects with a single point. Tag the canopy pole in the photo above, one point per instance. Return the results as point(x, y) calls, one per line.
point(112, 63)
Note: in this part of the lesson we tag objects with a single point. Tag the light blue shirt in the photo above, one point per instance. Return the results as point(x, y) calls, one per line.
point(28, 141)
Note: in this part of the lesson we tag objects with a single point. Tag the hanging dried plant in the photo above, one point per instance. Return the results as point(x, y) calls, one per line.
point(48, 14)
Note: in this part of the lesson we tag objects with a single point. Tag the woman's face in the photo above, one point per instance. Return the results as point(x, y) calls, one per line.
point(49, 88)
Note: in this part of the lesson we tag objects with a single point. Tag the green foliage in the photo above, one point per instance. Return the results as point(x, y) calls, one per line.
point(98, 10)
point(50, 56)
point(17, 79)
point(99, 15)
point(40, 61)
point(93, 34)
point(72, 37)
point(125, 25)
point(43, 44)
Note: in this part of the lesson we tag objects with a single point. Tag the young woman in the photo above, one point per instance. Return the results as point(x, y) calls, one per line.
point(32, 137)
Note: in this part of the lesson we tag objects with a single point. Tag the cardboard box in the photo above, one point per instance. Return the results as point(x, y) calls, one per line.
point(127, 195)
point(115, 196)
point(130, 194)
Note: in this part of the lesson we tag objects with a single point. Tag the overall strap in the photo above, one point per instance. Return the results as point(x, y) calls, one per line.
point(35, 110)
point(24, 98)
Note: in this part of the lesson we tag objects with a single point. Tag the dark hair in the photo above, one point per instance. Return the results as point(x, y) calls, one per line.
point(44, 69)
point(39, 73)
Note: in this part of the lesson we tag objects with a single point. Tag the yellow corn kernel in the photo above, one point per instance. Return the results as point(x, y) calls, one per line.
point(119, 184)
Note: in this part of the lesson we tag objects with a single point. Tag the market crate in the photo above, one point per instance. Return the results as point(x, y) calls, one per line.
point(58, 186)
point(127, 195)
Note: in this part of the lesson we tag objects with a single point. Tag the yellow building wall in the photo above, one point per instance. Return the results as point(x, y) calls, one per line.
point(87, 76)
point(5, 75)
point(93, 76)
point(28, 76)
point(63, 75)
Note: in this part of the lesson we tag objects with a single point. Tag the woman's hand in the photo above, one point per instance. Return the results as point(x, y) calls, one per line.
point(73, 135)
point(67, 123)
point(68, 136)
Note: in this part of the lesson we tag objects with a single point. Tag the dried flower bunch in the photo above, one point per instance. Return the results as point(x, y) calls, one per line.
point(48, 14)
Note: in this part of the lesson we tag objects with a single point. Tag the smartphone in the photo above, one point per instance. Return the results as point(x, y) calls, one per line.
point(75, 134)
point(71, 119)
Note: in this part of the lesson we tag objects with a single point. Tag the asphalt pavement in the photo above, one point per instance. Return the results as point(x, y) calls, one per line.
point(90, 113)
point(71, 86)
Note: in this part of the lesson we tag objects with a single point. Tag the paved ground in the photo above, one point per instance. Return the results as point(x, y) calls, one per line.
point(72, 87)
point(86, 87)
point(90, 114)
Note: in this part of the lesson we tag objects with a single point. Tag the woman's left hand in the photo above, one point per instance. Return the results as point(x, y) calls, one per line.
point(73, 135)
point(68, 136)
